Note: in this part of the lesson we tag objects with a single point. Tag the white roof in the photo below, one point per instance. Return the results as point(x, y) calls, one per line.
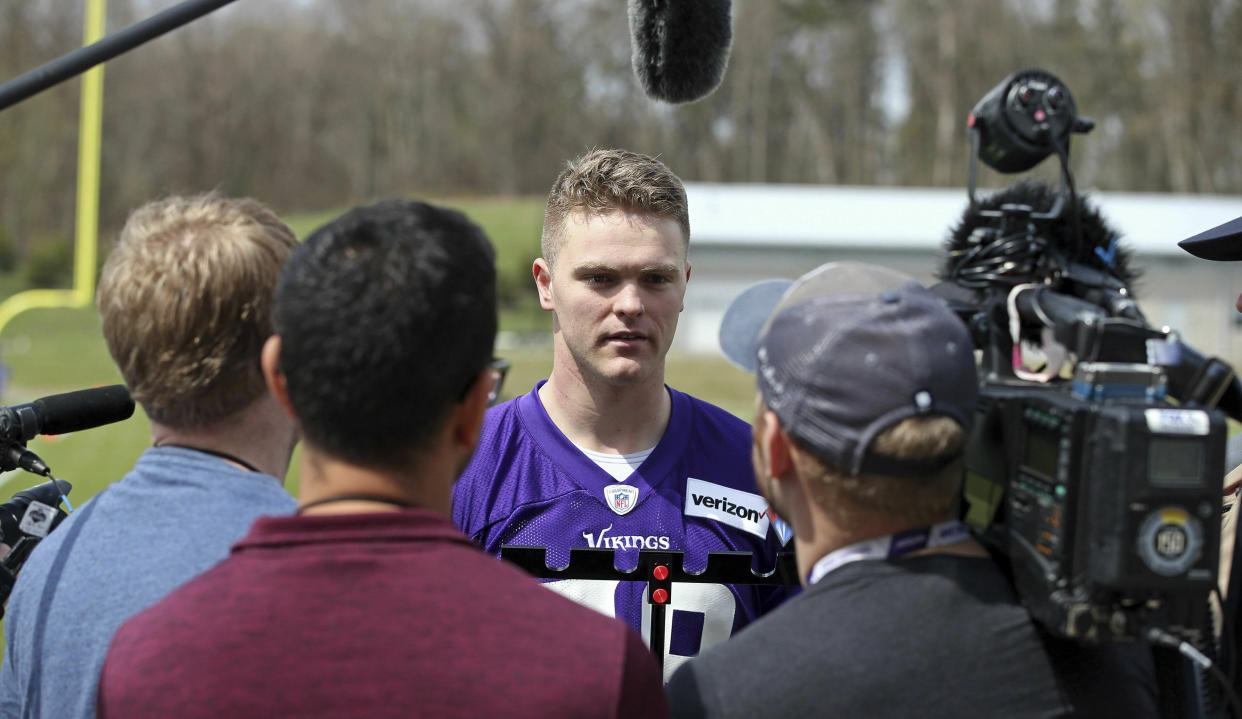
point(902, 218)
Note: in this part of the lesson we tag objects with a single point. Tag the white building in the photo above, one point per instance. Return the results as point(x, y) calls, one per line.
point(745, 233)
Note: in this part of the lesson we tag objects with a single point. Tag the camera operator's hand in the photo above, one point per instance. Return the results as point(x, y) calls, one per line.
point(4, 550)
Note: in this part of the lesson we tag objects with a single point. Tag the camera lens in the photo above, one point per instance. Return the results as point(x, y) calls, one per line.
point(1054, 98)
point(1025, 94)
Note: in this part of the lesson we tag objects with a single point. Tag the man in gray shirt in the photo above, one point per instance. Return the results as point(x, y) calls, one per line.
point(185, 300)
point(867, 387)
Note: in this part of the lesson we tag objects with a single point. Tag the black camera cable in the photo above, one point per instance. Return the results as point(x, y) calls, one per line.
point(1160, 637)
point(1062, 150)
point(1225, 646)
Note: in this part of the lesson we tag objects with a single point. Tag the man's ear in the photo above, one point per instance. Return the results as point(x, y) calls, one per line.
point(542, 273)
point(776, 444)
point(683, 299)
point(468, 419)
point(275, 377)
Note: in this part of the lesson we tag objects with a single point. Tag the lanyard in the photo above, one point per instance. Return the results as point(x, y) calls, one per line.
point(890, 546)
point(222, 455)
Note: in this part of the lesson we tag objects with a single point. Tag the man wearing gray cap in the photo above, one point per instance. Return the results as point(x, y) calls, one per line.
point(867, 387)
point(1223, 243)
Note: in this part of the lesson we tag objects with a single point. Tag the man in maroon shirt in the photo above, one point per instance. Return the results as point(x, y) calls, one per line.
point(369, 602)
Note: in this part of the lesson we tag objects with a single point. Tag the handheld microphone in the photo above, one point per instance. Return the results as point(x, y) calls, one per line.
point(679, 48)
point(67, 412)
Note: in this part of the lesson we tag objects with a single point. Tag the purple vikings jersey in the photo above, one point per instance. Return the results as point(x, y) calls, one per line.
point(529, 485)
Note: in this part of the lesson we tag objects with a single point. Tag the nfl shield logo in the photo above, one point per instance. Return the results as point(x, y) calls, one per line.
point(620, 498)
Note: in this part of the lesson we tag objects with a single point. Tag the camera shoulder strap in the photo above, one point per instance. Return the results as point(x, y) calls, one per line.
point(34, 687)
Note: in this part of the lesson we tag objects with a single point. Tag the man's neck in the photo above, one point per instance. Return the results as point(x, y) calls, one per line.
point(260, 435)
point(828, 536)
point(607, 418)
point(336, 486)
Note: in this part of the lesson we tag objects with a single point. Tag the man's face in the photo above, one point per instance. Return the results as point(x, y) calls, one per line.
point(617, 289)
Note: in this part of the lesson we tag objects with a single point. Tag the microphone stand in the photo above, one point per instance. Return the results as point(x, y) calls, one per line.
point(83, 59)
point(659, 569)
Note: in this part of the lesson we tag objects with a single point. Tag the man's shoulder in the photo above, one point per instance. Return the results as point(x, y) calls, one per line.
point(503, 411)
point(502, 431)
point(102, 528)
point(179, 495)
point(712, 415)
point(863, 601)
point(715, 439)
point(508, 455)
point(141, 537)
point(715, 449)
point(967, 616)
point(761, 666)
point(888, 650)
point(487, 593)
point(184, 599)
point(177, 475)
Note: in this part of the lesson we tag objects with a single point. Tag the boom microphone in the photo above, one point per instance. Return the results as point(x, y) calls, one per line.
point(679, 48)
point(67, 412)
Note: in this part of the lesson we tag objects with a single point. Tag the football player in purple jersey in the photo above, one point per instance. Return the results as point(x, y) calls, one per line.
point(604, 454)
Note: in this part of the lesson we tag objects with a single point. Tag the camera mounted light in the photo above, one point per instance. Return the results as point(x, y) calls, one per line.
point(1028, 116)
point(1024, 119)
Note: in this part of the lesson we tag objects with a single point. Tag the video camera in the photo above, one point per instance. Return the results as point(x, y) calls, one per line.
point(25, 520)
point(33, 513)
point(1098, 474)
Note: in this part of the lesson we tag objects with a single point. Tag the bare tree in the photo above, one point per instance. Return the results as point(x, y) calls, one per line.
point(316, 103)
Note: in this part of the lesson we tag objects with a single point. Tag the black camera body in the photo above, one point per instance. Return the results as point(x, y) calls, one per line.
point(33, 513)
point(1100, 488)
point(1107, 508)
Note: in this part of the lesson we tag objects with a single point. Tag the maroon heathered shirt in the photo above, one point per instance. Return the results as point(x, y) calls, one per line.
point(377, 615)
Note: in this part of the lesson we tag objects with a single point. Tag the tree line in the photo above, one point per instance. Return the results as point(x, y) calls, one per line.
point(309, 104)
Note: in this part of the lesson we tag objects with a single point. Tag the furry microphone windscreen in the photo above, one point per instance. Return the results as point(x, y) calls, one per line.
point(1100, 250)
point(679, 48)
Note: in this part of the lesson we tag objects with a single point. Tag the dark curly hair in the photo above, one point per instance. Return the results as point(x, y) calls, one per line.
point(386, 315)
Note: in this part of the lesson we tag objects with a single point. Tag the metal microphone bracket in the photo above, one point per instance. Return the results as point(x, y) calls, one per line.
point(660, 569)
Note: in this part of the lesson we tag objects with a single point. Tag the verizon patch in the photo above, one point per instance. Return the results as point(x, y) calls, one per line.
point(748, 512)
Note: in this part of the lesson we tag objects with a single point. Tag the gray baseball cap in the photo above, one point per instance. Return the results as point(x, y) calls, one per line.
point(848, 350)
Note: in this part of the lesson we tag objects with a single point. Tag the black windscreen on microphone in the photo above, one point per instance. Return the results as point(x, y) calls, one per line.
point(83, 409)
point(984, 230)
point(679, 48)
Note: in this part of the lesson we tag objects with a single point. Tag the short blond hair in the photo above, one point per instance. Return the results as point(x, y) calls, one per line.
point(186, 303)
point(919, 500)
point(604, 180)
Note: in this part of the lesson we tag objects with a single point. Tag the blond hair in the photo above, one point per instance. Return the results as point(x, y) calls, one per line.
point(186, 303)
point(605, 180)
point(920, 500)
